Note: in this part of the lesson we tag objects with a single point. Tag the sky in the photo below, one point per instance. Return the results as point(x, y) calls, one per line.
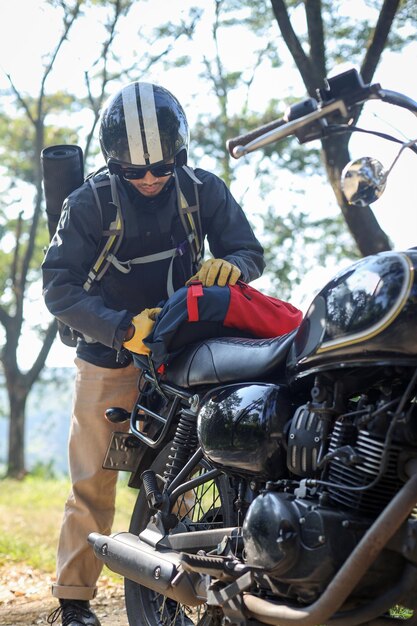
point(29, 30)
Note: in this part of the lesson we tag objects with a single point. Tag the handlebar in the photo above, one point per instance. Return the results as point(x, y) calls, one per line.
point(243, 140)
point(258, 138)
point(307, 119)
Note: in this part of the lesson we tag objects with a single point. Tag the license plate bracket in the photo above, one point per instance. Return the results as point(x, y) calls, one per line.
point(122, 452)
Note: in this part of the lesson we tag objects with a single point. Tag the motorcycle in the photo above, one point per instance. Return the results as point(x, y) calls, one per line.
point(278, 477)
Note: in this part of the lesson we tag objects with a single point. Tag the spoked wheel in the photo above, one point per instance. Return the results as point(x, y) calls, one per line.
point(205, 507)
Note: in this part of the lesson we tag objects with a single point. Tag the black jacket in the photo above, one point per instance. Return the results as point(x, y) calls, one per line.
point(151, 225)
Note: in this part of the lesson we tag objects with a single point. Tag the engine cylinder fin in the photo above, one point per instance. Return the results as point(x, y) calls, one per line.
point(370, 452)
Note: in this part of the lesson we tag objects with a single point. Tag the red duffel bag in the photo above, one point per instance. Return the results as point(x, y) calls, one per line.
point(195, 313)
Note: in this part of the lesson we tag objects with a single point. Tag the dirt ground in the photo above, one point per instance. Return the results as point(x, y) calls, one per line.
point(25, 599)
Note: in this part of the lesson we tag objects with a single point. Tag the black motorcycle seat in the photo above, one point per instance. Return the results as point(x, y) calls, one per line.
point(228, 359)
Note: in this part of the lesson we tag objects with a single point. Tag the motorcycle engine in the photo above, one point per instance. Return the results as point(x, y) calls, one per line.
point(299, 543)
point(343, 470)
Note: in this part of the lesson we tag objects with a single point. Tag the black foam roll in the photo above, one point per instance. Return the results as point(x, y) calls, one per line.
point(62, 172)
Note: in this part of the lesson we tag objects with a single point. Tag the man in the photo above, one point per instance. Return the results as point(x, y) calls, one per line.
point(144, 140)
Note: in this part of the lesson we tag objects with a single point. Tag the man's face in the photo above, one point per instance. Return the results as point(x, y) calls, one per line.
point(150, 185)
point(150, 180)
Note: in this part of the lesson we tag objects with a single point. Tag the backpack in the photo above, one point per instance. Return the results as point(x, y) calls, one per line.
point(62, 173)
point(196, 313)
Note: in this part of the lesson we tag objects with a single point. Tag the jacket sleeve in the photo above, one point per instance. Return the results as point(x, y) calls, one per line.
point(229, 234)
point(70, 255)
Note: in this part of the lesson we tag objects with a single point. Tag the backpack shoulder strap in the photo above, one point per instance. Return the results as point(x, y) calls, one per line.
point(112, 234)
point(188, 200)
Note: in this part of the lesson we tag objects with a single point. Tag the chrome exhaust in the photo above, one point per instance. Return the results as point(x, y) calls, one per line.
point(157, 569)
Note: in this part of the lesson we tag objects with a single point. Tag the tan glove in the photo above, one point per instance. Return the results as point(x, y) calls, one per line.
point(216, 271)
point(142, 326)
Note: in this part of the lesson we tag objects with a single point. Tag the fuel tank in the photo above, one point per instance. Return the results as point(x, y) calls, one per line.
point(366, 314)
point(241, 427)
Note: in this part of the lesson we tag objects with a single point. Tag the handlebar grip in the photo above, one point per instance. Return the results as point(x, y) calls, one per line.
point(246, 138)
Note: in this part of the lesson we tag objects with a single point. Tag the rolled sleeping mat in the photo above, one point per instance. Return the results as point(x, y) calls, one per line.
point(62, 172)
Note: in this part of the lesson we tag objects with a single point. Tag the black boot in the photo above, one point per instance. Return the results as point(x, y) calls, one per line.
point(74, 613)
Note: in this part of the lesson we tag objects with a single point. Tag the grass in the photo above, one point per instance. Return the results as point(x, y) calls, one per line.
point(30, 518)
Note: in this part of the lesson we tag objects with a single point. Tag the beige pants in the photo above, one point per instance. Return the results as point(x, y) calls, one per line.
point(91, 503)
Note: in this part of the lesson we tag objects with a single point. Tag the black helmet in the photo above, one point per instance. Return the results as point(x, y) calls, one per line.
point(143, 124)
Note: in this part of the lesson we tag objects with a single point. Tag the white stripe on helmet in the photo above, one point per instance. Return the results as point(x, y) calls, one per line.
point(150, 122)
point(134, 136)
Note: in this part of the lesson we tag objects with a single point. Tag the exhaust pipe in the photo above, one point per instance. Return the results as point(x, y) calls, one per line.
point(156, 569)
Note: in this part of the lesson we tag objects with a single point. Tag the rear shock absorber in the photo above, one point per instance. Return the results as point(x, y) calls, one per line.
point(184, 443)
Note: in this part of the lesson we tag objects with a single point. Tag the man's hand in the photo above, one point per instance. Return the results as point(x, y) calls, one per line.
point(140, 328)
point(216, 271)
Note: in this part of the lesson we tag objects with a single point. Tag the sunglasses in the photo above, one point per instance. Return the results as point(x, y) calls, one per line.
point(135, 173)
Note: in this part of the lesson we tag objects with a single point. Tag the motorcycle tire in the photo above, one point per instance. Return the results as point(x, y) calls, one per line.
point(145, 607)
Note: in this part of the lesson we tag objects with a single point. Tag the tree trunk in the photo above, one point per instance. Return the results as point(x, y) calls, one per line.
point(16, 455)
point(311, 62)
point(19, 386)
point(361, 221)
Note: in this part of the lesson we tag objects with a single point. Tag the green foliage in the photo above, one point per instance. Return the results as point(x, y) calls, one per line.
point(9, 262)
point(297, 243)
point(17, 154)
point(18, 140)
point(181, 61)
point(44, 116)
point(309, 240)
point(400, 612)
point(43, 471)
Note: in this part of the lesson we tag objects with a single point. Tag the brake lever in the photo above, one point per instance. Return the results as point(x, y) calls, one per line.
point(292, 127)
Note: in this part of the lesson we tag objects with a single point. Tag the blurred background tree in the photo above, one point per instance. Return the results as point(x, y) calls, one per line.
point(256, 59)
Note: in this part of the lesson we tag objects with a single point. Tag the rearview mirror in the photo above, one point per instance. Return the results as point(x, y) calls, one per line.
point(363, 181)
